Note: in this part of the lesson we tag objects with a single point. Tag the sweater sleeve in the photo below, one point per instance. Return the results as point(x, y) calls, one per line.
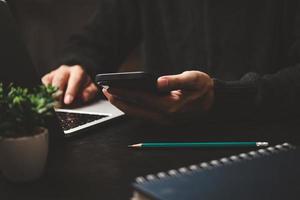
point(264, 95)
point(271, 95)
point(107, 40)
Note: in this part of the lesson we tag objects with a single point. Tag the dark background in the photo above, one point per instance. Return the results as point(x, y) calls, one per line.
point(98, 164)
point(47, 24)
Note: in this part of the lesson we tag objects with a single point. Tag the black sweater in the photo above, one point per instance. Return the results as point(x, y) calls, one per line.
point(251, 47)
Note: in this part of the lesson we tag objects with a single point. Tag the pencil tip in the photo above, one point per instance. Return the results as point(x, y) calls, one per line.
point(134, 145)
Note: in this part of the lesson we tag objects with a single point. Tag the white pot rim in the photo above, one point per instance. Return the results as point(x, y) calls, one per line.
point(43, 132)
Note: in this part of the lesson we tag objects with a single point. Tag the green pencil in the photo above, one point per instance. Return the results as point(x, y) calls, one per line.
point(198, 144)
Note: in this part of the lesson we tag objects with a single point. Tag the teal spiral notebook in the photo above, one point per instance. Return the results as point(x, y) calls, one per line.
point(270, 174)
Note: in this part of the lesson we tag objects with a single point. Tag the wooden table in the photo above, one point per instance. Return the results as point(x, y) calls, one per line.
point(98, 164)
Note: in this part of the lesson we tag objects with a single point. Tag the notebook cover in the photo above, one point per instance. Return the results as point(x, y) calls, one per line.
point(273, 177)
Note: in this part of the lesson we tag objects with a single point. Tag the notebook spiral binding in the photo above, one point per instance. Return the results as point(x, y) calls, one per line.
point(216, 163)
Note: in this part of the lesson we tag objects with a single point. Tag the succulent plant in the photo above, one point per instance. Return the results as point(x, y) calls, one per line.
point(23, 110)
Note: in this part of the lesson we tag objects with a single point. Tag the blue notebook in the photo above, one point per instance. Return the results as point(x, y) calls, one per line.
point(271, 173)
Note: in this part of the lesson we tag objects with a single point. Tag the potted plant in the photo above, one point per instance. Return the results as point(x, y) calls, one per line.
point(23, 136)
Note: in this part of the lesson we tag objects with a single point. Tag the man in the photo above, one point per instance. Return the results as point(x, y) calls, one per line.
point(238, 58)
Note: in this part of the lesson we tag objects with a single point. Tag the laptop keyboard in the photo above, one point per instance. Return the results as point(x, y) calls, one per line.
point(72, 120)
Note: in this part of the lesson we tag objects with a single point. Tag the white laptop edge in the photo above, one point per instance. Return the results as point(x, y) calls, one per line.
point(100, 107)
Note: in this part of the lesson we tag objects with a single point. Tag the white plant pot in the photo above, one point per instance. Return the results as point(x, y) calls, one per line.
point(23, 159)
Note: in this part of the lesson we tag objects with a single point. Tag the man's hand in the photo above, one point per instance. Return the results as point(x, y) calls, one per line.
point(188, 95)
point(73, 82)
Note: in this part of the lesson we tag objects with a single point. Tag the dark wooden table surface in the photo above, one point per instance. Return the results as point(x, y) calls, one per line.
point(98, 164)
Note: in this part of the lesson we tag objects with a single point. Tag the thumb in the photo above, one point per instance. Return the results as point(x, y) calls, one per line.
point(185, 80)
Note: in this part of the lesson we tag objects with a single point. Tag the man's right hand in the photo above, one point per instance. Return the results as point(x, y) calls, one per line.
point(73, 81)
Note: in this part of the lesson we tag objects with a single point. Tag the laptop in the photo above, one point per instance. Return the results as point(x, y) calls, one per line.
point(16, 66)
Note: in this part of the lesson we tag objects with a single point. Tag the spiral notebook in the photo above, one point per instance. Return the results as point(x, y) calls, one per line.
point(271, 173)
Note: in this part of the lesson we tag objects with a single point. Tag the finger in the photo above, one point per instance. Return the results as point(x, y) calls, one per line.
point(76, 79)
point(107, 94)
point(134, 110)
point(47, 79)
point(185, 80)
point(89, 92)
point(145, 99)
point(60, 78)
point(133, 95)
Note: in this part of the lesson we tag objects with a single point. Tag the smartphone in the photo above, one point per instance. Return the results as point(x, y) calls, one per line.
point(129, 80)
